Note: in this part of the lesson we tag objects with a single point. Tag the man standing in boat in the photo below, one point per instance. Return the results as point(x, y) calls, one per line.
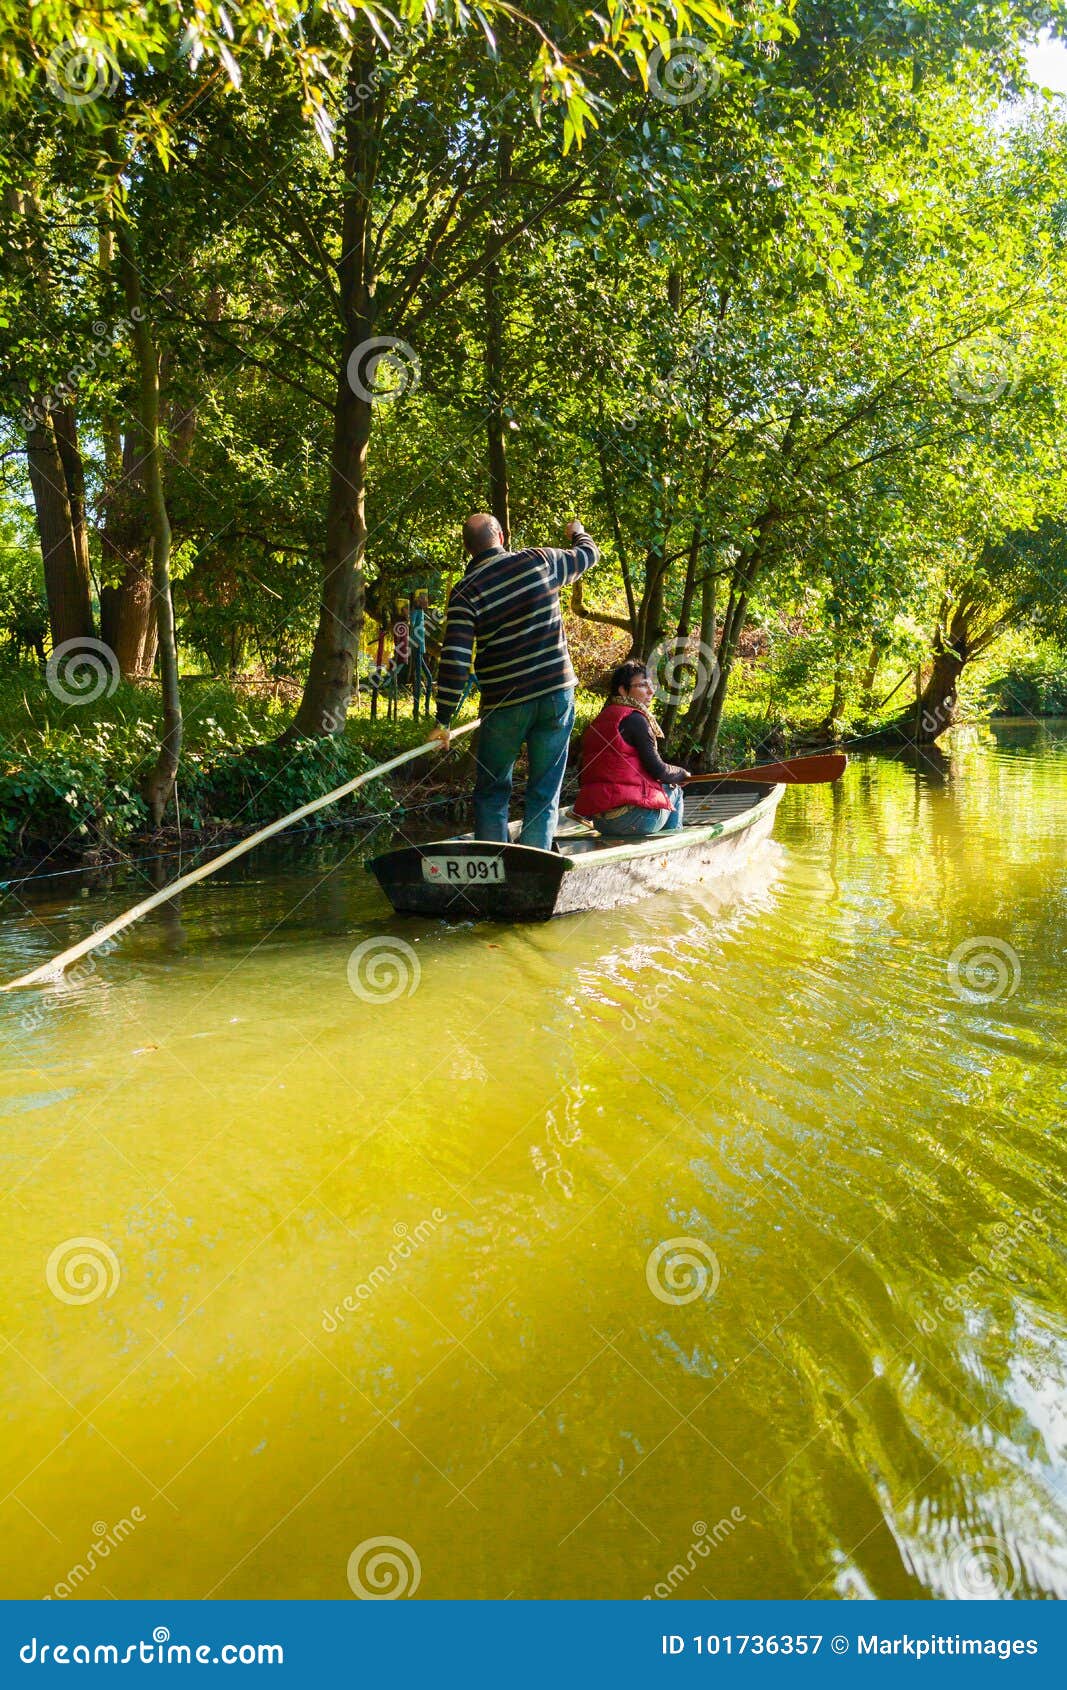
point(508, 604)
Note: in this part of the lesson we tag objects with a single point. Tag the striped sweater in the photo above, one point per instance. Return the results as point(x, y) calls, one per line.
point(508, 602)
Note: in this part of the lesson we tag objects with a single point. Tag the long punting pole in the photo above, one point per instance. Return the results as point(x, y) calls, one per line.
point(50, 970)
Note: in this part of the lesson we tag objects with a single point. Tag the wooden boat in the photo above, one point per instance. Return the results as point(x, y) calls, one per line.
point(468, 879)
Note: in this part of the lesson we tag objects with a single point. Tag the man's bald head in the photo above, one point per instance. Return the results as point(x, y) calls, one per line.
point(480, 531)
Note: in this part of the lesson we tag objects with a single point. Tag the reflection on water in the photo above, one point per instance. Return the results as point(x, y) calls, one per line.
point(709, 1247)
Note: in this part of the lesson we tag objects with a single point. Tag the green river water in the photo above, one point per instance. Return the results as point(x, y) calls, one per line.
point(709, 1247)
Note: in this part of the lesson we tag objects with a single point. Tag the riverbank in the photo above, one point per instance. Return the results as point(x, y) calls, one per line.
point(70, 772)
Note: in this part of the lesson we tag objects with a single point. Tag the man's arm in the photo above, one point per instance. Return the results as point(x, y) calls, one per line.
point(457, 650)
point(566, 566)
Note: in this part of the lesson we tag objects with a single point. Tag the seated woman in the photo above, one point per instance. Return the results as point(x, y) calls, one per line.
point(626, 787)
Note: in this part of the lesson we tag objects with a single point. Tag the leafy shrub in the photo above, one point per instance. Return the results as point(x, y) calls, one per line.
point(1035, 685)
point(71, 790)
point(70, 775)
point(256, 785)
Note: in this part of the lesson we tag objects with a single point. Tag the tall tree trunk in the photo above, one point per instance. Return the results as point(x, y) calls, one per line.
point(936, 710)
point(728, 644)
point(127, 610)
point(127, 613)
point(837, 701)
point(67, 584)
point(670, 715)
point(324, 705)
point(651, 616)
point(61, 529)
point(703, 692)
point(496, 432)
point(128, 620)
point(616, 530)
point(159, 784)
point(74, 473)
point(870, 675)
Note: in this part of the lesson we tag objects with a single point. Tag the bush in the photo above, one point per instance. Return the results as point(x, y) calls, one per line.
point(255, 786)
point(1035, 685)
point(70, 775)
point(71, 790)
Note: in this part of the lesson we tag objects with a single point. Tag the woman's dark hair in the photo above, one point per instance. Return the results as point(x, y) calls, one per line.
point(624, 676)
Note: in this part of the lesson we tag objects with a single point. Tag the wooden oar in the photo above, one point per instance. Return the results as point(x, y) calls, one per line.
point(49, 970)
point(799, 771)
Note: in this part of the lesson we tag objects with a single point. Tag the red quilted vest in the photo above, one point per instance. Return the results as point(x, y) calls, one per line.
point(612, 774)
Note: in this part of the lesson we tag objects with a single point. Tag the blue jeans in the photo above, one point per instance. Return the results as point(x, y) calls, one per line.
point(641, 821)
point(544, 726)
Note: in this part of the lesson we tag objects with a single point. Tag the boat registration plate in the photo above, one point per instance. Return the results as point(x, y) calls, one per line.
point(463, 871)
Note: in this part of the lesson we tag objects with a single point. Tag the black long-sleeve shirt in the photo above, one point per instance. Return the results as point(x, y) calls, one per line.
point(637, 733)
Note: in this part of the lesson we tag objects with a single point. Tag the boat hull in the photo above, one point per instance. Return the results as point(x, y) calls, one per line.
point(604, 884)
point(475, 880)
